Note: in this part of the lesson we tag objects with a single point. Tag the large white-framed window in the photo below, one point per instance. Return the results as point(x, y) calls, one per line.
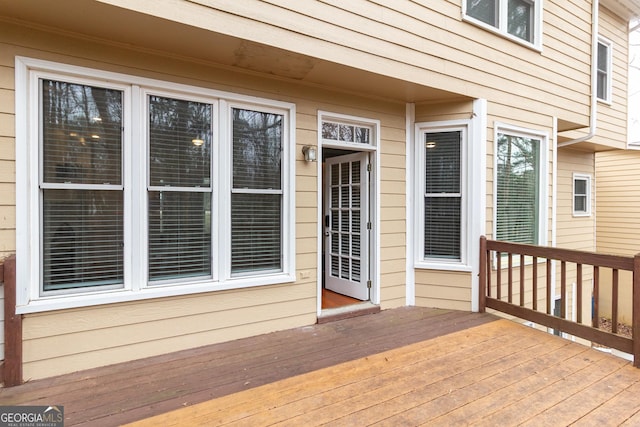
point(133, 188)
point(520, 185)
point(604, 67)
point(518, 20)
point(442, 158)
point(581, 194)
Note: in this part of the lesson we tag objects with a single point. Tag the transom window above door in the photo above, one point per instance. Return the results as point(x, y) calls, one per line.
point(347, 133)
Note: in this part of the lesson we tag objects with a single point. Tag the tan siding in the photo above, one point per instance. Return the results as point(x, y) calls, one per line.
point(618, 205)
point(612, 118)
point(574, 232)
point(423, 42)
point(450, 290)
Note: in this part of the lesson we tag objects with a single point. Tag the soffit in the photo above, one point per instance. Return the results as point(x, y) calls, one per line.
point(627, 9)
point(124, 27)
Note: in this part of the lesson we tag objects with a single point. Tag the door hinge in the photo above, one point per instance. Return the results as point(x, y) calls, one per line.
point(369, 225)
point(368, 167)
point(369, 284)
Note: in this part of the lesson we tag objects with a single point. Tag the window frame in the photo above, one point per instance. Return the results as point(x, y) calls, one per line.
point(587, 179)
point(542, 214)
point(608, 44)
point(466, 202)
point(135, 183)
point(501, 29)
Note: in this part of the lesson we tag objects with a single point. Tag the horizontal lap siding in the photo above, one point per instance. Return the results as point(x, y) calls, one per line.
point(7, 163)
point(618, 217)
point(443, 289)
point(612, 118)
point(618, 204)
point(574, 232)
point(67, 340)
point(420, 41)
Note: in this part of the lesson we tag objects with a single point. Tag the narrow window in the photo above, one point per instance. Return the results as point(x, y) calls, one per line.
point(443, 195)
point(581, 195)
point(603, 85)
point(256, 195)
point(179, 192)
point(81, 186)
point(518, 188)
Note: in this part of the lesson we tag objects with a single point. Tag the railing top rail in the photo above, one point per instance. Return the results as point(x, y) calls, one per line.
point(579, 257)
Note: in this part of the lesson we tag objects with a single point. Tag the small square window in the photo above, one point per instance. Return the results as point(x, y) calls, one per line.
point(581, 195)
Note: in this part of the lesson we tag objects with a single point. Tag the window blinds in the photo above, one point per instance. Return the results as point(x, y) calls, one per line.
point(81, 186)
point(443, 195)
point(179, 197)
point(256, 195)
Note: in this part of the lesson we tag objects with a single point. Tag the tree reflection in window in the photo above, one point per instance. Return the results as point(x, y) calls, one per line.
point(256, 199)
point(518, 199)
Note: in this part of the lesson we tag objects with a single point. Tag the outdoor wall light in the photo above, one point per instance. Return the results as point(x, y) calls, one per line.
point(310, 154)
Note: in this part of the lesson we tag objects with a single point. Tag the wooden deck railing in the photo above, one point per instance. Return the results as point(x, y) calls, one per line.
point(514, 289)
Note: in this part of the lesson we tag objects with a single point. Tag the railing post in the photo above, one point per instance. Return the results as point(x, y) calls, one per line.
point(12, 327)
point(482, 272)
point(636, 311)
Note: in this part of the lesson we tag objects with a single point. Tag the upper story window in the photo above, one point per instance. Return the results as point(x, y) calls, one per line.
point(520, 20)
point(520, 186)
point(132, 191)
point(603, 85)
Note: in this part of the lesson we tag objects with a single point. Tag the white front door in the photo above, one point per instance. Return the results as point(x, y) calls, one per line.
point(347, 225)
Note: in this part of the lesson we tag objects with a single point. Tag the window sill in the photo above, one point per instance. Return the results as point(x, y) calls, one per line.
point(443, 266)
point(126, 295)
point(533, 46)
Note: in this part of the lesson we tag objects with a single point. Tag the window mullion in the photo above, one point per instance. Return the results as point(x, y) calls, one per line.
point(135, 179)
point(503, 15)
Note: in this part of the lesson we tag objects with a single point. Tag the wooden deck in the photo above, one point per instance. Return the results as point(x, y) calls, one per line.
point(408, 366)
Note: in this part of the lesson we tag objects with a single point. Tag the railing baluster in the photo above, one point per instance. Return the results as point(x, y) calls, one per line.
point(534, 272)
point(510, 275)
point(563, 289)
point(488, 273)
point(595, 299)
point(614, 302)
point(521, 280)
point(548, 262)
point(579, 293)
point(499, 275)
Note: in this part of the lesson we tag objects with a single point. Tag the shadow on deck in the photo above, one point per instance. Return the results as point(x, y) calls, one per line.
point(404, 366)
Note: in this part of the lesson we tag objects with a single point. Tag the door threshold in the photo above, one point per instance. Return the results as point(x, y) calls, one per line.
point(348, 311)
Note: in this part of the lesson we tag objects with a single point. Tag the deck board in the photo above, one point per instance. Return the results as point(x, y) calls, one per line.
point(498, 373)
point(117, 394)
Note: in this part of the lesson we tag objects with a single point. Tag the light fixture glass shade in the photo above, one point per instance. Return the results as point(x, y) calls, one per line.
point(310, 153)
